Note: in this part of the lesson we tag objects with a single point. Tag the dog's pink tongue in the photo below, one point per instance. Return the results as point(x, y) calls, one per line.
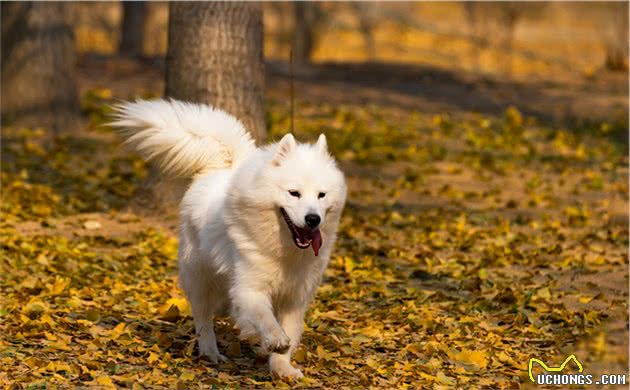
point(317, 242)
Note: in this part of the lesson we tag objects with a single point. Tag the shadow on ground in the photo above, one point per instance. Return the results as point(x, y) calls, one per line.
point(577, 104)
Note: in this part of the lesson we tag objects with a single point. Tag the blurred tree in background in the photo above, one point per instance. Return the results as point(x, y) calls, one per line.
point(307, 18)
point(367, 16)
point(132, 28)
point(617, 37)
point(515, 39)
point(494, 24)
point(38, 65)
point(311, 19)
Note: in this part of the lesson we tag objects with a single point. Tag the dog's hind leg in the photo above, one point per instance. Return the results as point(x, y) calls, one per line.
point(196, 283)
point(203, 316)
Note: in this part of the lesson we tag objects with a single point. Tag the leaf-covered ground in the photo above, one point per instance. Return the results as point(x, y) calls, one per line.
point(469, 244)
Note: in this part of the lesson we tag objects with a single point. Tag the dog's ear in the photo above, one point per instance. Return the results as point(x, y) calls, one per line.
point(322, 144)
point(285, 147)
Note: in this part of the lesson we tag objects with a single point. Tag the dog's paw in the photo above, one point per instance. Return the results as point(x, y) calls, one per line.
point(221, 358)
point(209, 353)
point(283, 369)
point(214, 358)
point(279, 343)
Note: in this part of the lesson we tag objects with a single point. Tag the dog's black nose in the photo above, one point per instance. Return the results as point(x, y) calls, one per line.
point(312, 220)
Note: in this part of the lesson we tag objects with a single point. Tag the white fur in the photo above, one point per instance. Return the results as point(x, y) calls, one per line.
point(185, 139)
point(236, 253)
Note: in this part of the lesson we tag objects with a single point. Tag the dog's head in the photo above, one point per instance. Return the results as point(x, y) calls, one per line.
point(307, 187)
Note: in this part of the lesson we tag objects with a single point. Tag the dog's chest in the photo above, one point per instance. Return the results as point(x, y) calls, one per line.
point(296, 282)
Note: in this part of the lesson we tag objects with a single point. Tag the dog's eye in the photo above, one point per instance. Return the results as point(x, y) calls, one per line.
point(321, 195)
point(294, 193)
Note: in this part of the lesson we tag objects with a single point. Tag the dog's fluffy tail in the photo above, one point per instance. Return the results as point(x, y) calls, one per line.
point(184, 139)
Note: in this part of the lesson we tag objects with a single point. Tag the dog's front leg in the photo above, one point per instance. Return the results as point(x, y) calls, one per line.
point(292, 322)
point(252, 310)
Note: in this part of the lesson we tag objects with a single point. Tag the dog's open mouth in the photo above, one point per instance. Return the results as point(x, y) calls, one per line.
point(303, 237)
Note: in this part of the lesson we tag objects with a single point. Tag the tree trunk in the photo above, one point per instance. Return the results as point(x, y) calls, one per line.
point(509, 27)
point(617, 37)
point(367, 16)
point(132, 29)
point(38, 65)
point(303, 31)
point(214, 57)
point(471, 11)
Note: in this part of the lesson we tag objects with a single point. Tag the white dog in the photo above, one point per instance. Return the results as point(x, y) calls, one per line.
point(247, 220)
